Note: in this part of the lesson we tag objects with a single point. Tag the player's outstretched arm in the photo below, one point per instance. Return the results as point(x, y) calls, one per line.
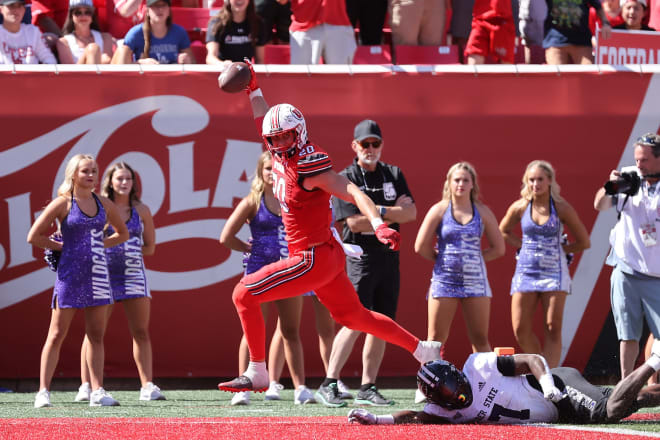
point(256, 97)
point(339, 186)
point(364, 417)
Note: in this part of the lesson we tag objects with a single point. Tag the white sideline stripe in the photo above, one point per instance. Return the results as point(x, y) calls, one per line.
point(350, 69)
point(605, 430)
point(591, 262)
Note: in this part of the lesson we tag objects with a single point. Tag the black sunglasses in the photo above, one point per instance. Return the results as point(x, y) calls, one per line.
point(649, 140)
point(79, 12)
point(374, 144)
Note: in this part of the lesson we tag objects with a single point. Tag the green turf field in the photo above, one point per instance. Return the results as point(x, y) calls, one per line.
point(213, 403)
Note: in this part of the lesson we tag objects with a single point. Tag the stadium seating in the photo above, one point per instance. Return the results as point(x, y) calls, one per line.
point(277, 54)
point(426, 54)
point(194, 20)
point(373, 55)
point(199, 50)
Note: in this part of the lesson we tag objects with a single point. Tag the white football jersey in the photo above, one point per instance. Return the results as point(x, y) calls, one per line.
point(497, 398)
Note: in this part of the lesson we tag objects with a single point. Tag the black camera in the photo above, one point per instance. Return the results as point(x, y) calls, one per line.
point(627, 183)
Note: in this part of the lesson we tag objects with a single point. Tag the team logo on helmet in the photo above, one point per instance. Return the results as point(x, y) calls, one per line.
point(444, 384)
point(280, 119)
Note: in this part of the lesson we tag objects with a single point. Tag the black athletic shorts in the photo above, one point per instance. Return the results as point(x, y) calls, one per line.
point(375, 277)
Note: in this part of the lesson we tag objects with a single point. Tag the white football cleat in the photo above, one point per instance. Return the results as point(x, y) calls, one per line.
point(427, 351)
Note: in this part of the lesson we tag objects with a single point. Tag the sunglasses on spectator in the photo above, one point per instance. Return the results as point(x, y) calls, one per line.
point(646, 140)
point(79, 12)
point(374, 144)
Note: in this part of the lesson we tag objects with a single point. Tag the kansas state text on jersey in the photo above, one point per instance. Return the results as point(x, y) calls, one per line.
point(497, 398)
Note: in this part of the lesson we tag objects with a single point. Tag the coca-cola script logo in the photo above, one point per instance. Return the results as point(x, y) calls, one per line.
point(173, 117)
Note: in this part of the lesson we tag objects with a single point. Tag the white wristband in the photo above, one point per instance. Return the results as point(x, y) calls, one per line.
point(547, 382)
point(653, 362)
point(376, 221)
point(254, 93)
point(385, 420)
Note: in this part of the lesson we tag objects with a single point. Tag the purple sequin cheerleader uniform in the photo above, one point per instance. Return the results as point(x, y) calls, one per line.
point(126, 265)
point(459, 270)
point(541, 263)
point(82, 272)
point(268, 239)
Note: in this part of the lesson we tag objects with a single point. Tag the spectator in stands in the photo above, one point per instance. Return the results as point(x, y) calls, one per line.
point(157, 40)
point(82, 42)
point(493, 32)
point(122, 15)
point(369, 17)
point(532, 16)
point(632, 12)
point(654, 14)
point(321, 28)
point(275, 14)
point(419, 22)
point(567, 38)
point(21, 43)
point(541, 275)
point(461, 24)
point(612, 9)
point(49, 16)
point(234, 34)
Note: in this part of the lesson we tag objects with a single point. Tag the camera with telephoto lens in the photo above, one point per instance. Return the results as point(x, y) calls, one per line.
point(627, 183)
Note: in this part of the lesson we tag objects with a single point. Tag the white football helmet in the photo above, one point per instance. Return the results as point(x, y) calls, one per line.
point(280, 119)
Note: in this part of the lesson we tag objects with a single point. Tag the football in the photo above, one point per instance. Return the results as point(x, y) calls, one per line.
point(235, 77)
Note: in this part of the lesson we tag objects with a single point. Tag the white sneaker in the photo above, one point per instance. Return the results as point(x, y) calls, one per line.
point(101, 397)
point(42, 399)
point(655, 348)
point(303, 396)
point(427, 351)
point(273, 391)
point(241, 398)
point(83, 393)
point(344, 391)
point(419, 396)
point(151, 392)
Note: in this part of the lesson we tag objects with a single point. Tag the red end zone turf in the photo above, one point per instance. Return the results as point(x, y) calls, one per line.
point(303, 428)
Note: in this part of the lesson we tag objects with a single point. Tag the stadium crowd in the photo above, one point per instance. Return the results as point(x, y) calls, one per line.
point(312, 31)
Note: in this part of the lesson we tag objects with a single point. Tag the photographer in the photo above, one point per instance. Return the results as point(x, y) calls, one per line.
point(635, 255)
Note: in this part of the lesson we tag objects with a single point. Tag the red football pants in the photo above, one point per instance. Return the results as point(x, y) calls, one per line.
point(321, 269)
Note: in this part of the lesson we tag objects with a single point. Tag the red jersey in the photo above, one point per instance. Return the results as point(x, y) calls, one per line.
point(55, 9)
point(485, 9)
point(593, 19)
point(306, 215)
point(305, 14)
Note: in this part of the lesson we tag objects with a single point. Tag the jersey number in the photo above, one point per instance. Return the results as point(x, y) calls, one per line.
point(279, 189)
point(499, 411)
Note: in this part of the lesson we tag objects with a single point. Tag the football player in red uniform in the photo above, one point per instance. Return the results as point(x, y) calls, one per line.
point(303, 182)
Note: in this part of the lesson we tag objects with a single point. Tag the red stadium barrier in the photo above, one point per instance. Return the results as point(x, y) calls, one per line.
point(195, 148)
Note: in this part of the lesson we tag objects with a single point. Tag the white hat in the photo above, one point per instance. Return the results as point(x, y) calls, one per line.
point(623, 2)
point(79, 3)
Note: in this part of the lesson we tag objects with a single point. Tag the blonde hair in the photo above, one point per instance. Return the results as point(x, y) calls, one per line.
point(467, 166)
point(108, 191)
point(526, 192)
point(257, 186)
point(69, 172)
